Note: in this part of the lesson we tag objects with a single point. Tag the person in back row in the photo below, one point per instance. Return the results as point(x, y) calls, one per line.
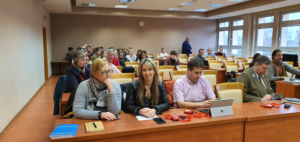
point(131, 57)
point(220, 53)
point(209, 53)
point(111, 58)
point(192, 90)
point(163, 54)
point(142, 56)
point(78, 72)
point(147, 95)
point(256, 81)
point(186, 47)
point(254, 57)
point(200, 55)
point(278, 68)
point(122, 59)
point(173, 60)
point(112, 66)
point(98, 97)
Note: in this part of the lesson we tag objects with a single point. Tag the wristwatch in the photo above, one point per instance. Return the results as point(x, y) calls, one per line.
point(99, 115)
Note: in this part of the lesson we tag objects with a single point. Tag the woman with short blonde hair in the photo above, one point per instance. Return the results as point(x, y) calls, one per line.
point(131, 57)
point(147, 95)
point(98, 97)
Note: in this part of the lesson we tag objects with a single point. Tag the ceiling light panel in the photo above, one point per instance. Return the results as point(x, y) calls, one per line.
point(236, 0)
point(216, 5)
point(200, 10)
point(121, 6)
point(127, 0)
point(174, 9)
point(186, 3)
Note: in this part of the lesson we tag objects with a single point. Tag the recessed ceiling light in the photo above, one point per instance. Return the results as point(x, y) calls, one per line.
point(216, 5)
point(186, 3)
point(200, 10)
point(91, 4)
point(88, 4)
point(127, 0)
point(174, 9)
point(121, 6)
point(236, 0)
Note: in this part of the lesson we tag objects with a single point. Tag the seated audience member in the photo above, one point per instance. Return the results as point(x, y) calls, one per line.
point(131, 57)
point(256, 81)
point(173, 60)
point(69, 55)
point(111, 58)
point(98, 97)
point(163, 54)
point(278, 68)
point(147, 95)
point(209, 53)
point(111, 48)
point(78, 72)
point(94, 51)
point(200, 55)
point(192, 90)
point(103, 53)
point(220, 53)
point(254, 57)
point(112, 66)
point(142, 56)
point(88, 49)
point(116, 53)
point(101, 48)
point(97, 54)
point(122, 59)
point(138, 53)
point(126, 52)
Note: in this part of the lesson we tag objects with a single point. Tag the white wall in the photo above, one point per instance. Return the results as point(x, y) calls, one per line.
point(21, 54)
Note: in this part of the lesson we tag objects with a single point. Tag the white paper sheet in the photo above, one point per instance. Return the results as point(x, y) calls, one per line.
point(142, 118)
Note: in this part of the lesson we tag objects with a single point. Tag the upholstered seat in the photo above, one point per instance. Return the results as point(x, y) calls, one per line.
point(236, 94)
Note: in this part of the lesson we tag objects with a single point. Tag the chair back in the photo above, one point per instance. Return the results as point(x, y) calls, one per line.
point(150, 55)
point(291, 63)
point(157, 56)
point(231, 67)
point(210, 75)
point(181, 67)
point(133, 64)
point(183, 60)
point(161, 76)
point(119, 68)
point(249, 60)
point(165, 69)
point(183, 56)
point(213, 64)
point(174, 75)
point(231, 90)
point(122, 78)
point(245, 65)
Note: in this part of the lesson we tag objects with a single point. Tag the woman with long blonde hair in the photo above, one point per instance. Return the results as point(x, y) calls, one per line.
point(147, 95)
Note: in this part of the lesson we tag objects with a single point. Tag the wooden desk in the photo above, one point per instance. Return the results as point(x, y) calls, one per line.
point(220, 75)
point(271, 124)
point(287, 89)
point(59, 62)
point(129, 129)
point(249, 123)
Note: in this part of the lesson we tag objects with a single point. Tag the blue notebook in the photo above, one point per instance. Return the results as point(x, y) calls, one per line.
point(64, 131)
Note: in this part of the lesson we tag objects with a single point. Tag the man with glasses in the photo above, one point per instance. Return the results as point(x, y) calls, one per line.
point(192, 90)
point(209, 53)
point(256, 81)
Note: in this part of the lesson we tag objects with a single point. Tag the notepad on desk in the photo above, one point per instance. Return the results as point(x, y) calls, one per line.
point(96, 127)
point(64, 131)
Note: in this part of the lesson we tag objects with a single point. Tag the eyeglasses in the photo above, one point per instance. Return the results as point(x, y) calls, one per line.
point(107, 72)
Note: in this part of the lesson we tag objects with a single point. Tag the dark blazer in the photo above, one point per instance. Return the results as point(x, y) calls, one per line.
point(133, 104)
point(186, 48)
point(252, 93)
point(74, 79)
point(122, 62)
point(168, 62)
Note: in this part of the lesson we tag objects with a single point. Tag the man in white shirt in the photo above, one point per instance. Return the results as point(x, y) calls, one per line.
point(163, 54)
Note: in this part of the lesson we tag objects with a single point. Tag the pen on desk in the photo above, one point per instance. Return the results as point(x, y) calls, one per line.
point(94, 125)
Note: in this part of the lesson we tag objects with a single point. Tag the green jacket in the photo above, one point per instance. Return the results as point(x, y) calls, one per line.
point(252, 93)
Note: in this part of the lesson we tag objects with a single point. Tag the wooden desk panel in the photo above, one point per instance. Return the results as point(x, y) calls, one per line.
point(287, 89)
point(128, 128)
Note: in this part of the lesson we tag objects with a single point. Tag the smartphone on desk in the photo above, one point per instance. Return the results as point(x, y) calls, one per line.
point(159, 120)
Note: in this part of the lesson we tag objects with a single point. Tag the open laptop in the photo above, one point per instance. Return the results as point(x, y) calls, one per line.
point(221, 107)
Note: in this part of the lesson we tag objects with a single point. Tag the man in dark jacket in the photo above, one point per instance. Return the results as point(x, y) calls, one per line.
point(186, 47)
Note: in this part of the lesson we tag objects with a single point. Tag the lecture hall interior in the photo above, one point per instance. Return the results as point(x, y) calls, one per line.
point(44, 39)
